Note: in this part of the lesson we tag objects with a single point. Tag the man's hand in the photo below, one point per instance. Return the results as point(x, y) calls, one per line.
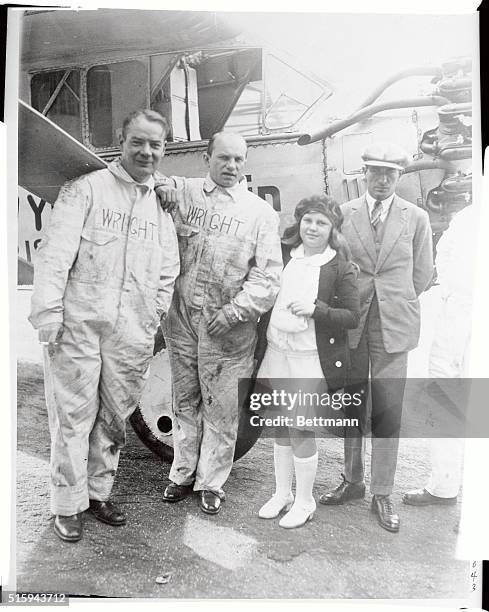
point(301, 308)
point(50, 334)
point(168, 197)
point(219, 325)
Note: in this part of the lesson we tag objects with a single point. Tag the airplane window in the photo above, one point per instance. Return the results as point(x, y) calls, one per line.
point(290, 94)
point(176, 98)
point(246, 117)
point(99, 106)
point(56, 94)
point(229, 91)
point(351, 146)
point(274, 99)
point(113, 91)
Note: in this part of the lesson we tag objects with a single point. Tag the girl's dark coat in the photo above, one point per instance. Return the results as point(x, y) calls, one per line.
point(337, 309)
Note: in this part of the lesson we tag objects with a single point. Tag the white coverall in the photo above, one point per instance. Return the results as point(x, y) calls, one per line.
point(455, 263)
point(105, 269)
point(231, 259)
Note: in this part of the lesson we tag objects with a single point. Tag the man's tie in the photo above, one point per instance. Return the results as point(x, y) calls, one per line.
point(376, 212)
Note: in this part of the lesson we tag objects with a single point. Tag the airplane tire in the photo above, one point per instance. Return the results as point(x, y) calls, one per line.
point(152, 418)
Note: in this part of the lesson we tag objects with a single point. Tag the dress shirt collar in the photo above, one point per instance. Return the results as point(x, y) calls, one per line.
point(234, 192)
point(386, 204)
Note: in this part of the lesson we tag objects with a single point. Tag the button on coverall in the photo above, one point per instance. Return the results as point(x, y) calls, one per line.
point(231, 260)
point(105, 269)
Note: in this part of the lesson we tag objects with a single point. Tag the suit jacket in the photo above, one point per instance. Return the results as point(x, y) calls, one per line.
point(400, 273)
point(337, 309)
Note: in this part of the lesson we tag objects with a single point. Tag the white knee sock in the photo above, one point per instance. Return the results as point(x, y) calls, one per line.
point(305, 475)
point(283, 461)
point(304, 503)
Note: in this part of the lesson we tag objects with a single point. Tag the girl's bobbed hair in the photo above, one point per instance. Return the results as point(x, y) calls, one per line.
point(327, 206)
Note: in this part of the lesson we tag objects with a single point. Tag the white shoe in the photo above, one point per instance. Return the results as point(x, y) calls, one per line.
point(298, 515)
point(275, 505)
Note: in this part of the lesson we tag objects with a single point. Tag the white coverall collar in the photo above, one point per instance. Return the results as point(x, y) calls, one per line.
point(234, 192)
point(118, 170)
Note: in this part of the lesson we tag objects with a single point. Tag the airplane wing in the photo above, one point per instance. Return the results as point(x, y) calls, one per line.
point(48, 156)
point(52, 36)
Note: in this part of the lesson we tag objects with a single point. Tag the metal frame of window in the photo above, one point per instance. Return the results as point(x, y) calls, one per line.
point(56, 92)
point(164, 77)
point(324, 95)
point(152, 91)
point(144, 59)
point(83, 99)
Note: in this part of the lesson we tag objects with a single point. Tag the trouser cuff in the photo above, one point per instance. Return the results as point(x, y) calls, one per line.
point(375, 490)
point(353, 481)
point(354, 477)
point(219, 492)
point(99, 488)
point(443, 492)
point(69, 500)
point(181, 480)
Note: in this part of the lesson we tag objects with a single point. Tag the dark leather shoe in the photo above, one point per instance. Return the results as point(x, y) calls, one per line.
point(345, 492)
point(68, 528)
point(383, 508)
point(421, 497)
point(175, 492)
point(210, 503)
point(107, 512)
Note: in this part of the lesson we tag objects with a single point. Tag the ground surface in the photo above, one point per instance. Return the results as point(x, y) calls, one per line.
point(342, 553)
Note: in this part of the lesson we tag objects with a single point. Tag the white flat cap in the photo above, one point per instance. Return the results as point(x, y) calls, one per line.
point(385, 154)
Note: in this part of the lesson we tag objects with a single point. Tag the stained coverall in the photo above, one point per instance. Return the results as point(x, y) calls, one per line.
point(231, 259)
point(105, 269)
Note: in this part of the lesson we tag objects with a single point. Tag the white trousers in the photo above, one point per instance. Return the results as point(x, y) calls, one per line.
point(448, 359)
point(93, 381)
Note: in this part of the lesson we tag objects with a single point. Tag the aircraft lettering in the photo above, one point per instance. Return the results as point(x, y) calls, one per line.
point(273, 191)
point(28, 254)
point(123, 223)
point(37, 210)
point(266, 190)
point(223, 224)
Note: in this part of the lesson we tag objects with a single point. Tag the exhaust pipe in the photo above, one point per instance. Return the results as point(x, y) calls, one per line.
point(434, 71)
point(367, 112)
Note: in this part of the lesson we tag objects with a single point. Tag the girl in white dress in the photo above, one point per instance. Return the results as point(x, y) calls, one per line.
point(317, 302)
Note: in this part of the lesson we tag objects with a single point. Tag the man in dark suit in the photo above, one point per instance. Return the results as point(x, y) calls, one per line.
point(390, 240)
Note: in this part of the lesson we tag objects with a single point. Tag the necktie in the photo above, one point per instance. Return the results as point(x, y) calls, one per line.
point(376, 212)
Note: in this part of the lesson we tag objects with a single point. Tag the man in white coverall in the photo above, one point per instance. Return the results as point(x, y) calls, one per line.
point(230, 273)
point(104, 276)
point(455, 263)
